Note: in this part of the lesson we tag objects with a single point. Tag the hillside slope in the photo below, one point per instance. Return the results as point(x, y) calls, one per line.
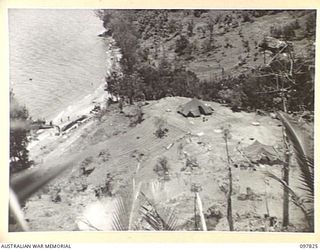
point(105, 159)
point(250, 59)
point(221, 42)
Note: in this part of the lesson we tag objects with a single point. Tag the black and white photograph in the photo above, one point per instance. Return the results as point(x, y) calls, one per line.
point(161, 120)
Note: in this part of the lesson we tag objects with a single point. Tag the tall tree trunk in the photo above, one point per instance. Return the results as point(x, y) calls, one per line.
point(285, 178)
point(195, 213)
point(285, 222)
point(229, 209)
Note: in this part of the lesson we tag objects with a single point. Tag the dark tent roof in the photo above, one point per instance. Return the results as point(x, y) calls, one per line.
point(261, 153)
point(195, 108)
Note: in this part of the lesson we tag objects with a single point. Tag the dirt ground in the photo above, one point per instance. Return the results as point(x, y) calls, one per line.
point(110, 154)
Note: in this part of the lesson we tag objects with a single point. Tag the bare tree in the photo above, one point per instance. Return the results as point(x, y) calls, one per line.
point(226, 137)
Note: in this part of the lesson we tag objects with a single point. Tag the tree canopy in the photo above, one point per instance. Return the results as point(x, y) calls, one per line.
point(19, 131)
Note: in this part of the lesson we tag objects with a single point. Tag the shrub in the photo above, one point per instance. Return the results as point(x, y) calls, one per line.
point(172, 26)
point(311, 24)
point(181, 45)
point(234, 97)
point(137, 116)
point(208, 45)
point(246, 45)
point(191, 163)
point(162, 167)
point(198, 13)
point(286, 31)
point(190, 28)
point(106, 189)
point(246, 17)
point(160, 124)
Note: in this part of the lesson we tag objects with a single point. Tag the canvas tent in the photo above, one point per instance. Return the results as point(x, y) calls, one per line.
point(261, 153)
point(195, 108)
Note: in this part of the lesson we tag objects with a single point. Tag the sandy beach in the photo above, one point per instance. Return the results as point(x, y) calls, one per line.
point(99, 97)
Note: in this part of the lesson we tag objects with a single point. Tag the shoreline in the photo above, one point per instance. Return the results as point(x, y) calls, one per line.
point(98, 96)
point(81, 106)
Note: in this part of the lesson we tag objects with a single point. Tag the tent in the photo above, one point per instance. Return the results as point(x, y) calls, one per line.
point(261, 153)
point(195, 108)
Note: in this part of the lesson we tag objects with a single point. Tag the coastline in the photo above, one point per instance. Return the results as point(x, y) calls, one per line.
point(80, 107)
point(98, 96)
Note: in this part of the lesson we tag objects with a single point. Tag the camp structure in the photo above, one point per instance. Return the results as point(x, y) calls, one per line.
point(261, 153)
point(194, 108)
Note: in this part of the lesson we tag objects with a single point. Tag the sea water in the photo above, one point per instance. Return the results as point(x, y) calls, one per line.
point(55, 58)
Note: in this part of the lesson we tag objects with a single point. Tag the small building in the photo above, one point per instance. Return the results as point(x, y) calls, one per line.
point(195, 108)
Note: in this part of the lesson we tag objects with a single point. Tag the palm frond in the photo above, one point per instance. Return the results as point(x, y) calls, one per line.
point(135, 195)
point(308, 213)
point(304, 159)
point(120, 215)
point(284, 185)
point(159, 219)
point(124, 209)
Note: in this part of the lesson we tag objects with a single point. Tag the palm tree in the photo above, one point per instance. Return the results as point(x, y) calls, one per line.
point(306, 165)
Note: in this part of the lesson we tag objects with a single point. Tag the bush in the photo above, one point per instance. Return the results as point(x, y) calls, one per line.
point(162, 167)
point(137, 116)
point(246, 17)
point(160, 124)
point(191, 163)
point(286, 31)
point(190, 28)
point(245, 44)
point(173, 26)
point(198, 13)
point(106, 189)
point(181, 45)
point(311, 24)
point(234, 97)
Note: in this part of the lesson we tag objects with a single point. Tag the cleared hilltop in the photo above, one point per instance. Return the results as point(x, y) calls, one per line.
point(105, 156)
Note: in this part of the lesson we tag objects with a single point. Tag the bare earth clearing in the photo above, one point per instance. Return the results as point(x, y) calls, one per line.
point(107, 150)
